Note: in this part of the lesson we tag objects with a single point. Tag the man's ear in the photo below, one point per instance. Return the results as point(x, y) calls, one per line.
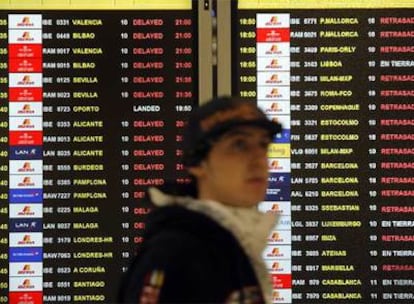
point(197, 171)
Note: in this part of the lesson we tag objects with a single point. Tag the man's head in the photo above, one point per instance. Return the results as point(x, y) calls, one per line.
point(225, 149)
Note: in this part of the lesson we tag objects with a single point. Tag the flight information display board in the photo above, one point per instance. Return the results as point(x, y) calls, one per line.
point(339, 77)
point(93, 99)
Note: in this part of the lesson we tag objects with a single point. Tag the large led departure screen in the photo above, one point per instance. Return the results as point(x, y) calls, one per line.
point(339, 77)
point(92, 105)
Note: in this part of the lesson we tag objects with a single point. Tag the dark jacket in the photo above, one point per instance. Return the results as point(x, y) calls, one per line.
point(187, 257)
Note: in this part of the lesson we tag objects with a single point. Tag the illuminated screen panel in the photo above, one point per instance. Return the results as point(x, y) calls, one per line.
point(93, 101)
point(339, 77)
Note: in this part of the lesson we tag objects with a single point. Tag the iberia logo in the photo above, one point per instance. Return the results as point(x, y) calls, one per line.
point(274, 49)
point(27, 124)
point(26, 109)
point(26, 284)
point(274, 78)
point(274, 253)
point(275, 209)
point(274, 93)
point(27, 167)
point(274, 64)
point(26, 270)
point(27, 181)
point(25, 21)
point(25, 37)
point(275, 165)
point(273, 108)
point(274, 20)
point(275, 266)
point(276, 296)
point(275, 237)
point(27, 240)
point(26, 211)
point(26, 80)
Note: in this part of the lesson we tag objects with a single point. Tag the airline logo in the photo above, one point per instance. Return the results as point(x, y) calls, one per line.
point(25, 109)
point(273, 20)
point(25, 51)
point(273, 78)
point(25, 80)
point(282, 295)
point(25, 166)
point(273, 64)
point(30, 239)
point(25, 94)
point(283, 224)
point(22, 152)
point(25, 269)
point(25, 21)
point(24, 196)
point(278, 150)
point(278, 194)
point(28, 65)
point(281, 208)
point(283, 136)
point(25, 211)
point(272, 49)
point(273, 35)
point(29, 36)
point(274, 252)
point(25, 138)
point(280, 251)
point(278, 266)
point(281, 280)
point(25, 225)
point(25, 123)
point(274, 237)
point(32, 297)
point(25, 254)
point(274, 107)
point(280, 236)
point(276, 296)
point(26, 181)
point(278, 93)
point(278, 165)
point(26, 36)
point(278, 187)
point(274, 93)
point(26, 283)
point(279, 179)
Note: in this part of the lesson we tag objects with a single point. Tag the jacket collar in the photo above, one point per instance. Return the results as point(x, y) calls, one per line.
point(249, 226)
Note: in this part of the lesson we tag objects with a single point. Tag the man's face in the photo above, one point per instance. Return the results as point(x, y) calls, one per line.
point(235, 171)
